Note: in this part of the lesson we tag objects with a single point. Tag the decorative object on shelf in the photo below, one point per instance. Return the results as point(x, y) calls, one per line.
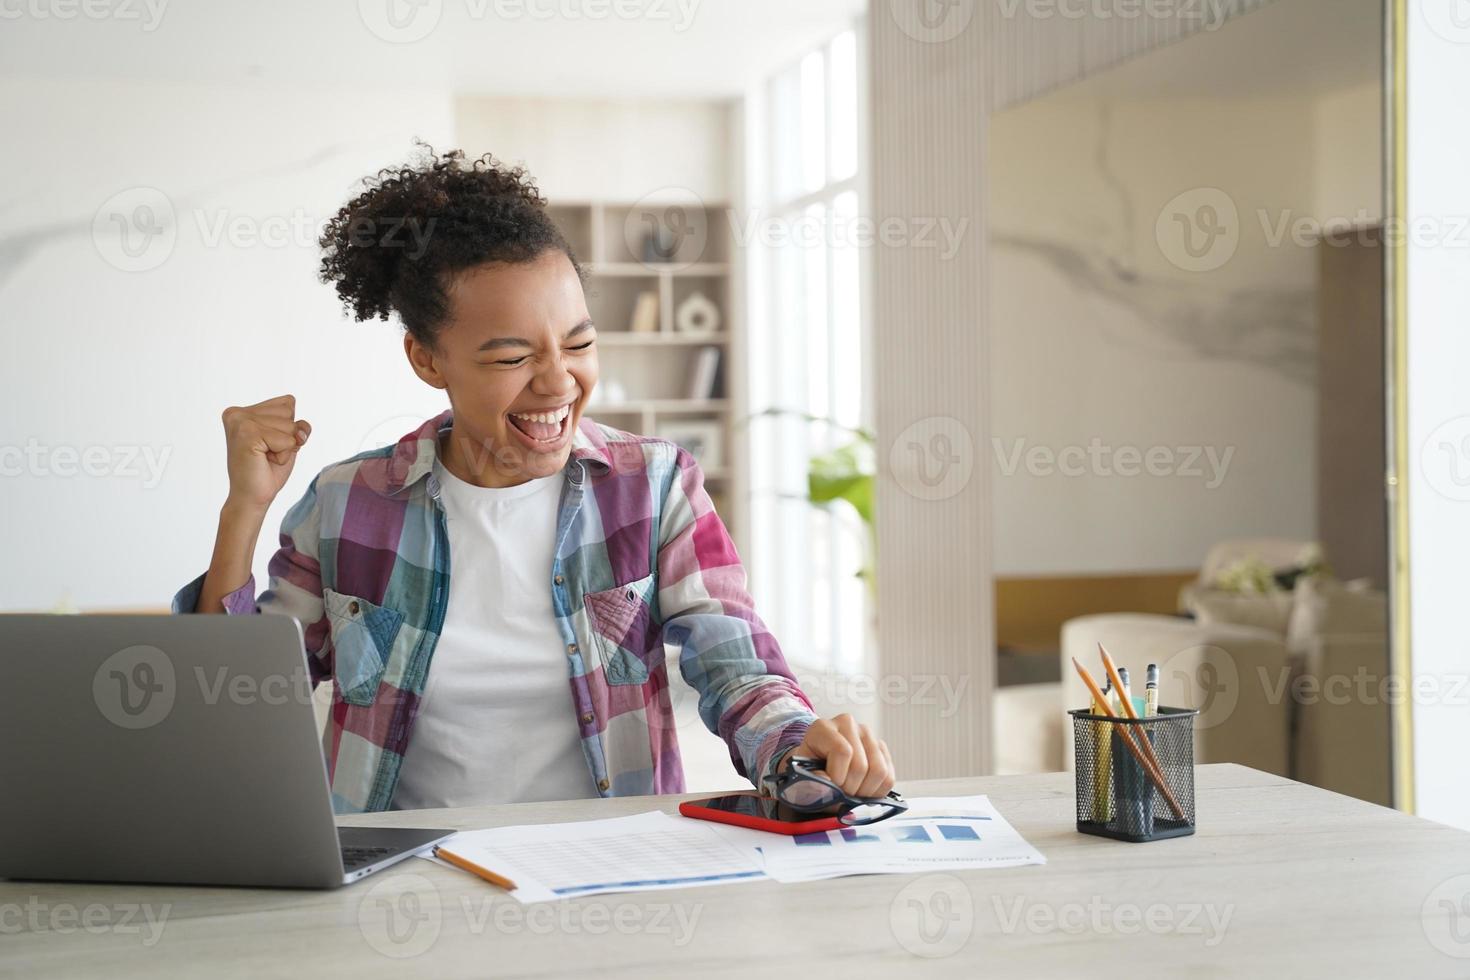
point(704, 438)
point(706, 370)
point(667, 229)
point(697, 315)
point(659, 242)
point(645, 313)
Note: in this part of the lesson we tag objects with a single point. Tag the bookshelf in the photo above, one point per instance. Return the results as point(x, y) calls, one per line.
point(658, 380)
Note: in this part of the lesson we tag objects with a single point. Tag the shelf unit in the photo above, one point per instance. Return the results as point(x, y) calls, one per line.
point(654, 369)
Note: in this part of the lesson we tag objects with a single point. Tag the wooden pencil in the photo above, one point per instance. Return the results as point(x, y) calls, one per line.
point(1150, 768)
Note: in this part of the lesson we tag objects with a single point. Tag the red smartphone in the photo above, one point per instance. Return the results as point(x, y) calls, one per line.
point(759, 813)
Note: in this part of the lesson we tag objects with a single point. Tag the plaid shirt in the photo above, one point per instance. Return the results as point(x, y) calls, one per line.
point(641, 559)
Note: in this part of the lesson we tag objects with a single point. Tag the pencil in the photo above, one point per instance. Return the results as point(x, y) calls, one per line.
point(475, 869)
point(1128, 708)
point(1102, 779)
point(1143, 741)
point(1150, 769)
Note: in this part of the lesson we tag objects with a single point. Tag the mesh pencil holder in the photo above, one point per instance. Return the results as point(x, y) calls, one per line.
point(1121, 764)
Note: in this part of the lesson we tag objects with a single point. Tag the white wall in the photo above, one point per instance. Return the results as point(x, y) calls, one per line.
point(145, 361)
point(1438, 475)
point(583, 150)
point(1104, 335)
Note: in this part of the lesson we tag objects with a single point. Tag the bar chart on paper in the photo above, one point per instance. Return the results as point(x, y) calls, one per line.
point(900, 830)
point(936, 833)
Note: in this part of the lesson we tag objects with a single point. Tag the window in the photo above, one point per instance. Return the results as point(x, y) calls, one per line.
point(806, 353)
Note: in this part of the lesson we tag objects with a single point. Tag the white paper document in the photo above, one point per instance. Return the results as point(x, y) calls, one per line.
point(655, 850)
point(638, 853)
point(935, 834)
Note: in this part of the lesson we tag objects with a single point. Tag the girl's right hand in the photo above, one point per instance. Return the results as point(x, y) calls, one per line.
point(261, 442)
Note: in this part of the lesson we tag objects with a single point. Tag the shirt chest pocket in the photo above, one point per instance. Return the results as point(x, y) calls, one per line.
point(362, 640)
point(624, 627)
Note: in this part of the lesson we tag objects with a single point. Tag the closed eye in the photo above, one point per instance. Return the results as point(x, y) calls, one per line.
point(512, 362)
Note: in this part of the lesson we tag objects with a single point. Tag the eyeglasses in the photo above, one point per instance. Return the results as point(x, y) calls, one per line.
point(804, 787)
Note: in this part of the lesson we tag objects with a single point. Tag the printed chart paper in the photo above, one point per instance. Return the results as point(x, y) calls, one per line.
point(936, 834)
point(638, 853)
point(655, 850)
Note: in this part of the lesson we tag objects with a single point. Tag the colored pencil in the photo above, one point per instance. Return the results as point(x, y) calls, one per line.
point(1143, 741)
point(475, 869)
point(1150, 769)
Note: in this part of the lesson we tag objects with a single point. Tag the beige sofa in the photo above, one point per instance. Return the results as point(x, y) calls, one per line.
point(1288, 682)
point(1341, 698)
point(1027, 730)
point(1296, 686)
point(1214, 668)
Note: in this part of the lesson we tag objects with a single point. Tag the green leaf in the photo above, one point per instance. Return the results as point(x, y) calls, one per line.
point(846, 473)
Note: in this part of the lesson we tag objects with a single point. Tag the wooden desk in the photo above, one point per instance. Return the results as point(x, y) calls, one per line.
point(1304, 883)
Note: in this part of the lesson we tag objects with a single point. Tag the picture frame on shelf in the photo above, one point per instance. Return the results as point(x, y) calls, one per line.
point(703, 438)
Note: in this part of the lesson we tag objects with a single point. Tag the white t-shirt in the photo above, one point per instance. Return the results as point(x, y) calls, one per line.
point(497, 724)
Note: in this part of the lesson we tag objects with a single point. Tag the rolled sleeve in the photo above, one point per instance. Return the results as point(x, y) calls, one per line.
point(241, 602)
point(778, 746)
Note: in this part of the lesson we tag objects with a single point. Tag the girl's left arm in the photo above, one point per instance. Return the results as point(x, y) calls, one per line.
point(747, 693)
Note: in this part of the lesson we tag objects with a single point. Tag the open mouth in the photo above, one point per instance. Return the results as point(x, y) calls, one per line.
point(544, 429)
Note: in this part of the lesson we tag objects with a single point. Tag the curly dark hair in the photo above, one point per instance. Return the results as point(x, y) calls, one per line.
point(395, 247)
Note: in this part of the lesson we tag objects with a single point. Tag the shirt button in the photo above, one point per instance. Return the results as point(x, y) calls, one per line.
point(571, 648)
point(602, 785)
point(353, 608)
point(587, 719)
point(558, 580)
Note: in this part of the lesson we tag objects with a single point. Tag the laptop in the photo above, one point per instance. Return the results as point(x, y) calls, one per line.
point(171, 749)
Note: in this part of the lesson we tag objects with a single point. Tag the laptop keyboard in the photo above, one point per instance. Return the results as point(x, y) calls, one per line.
point(357, 857)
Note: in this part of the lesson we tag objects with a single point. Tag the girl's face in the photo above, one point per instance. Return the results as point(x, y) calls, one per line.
point(518, 359)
